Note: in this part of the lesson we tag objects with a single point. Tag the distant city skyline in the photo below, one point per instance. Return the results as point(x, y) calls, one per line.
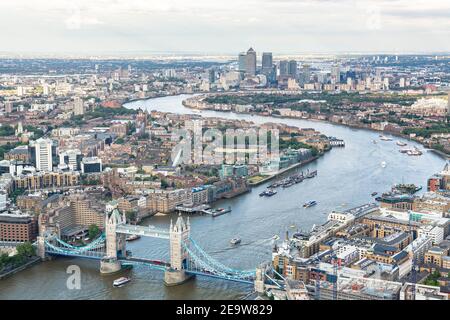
point(218, 27)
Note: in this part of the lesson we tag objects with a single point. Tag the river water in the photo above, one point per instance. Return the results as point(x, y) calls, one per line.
point(346, 178)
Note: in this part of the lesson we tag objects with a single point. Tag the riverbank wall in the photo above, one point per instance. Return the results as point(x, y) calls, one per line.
point(30, 263)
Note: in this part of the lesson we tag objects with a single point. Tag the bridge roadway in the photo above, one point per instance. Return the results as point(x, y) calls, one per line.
point(155, 264)
point(142, 231)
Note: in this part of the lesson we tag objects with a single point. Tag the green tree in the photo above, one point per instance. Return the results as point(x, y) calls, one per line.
point(131, 215)
point(25, 249)
point(93, 231)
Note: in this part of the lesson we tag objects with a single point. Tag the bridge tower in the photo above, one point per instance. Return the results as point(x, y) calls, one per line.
point(260, 279)
point(179, 235)
point(115, 244)
point(40, 241)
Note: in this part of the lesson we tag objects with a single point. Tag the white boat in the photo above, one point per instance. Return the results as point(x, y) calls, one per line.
point(384, 138)
point(383, 164)
point(235, 241)
point(121, 281)
point(132, 237)
point(414, 152)
point(401, 144)
point(275, 237)
point(310, 204)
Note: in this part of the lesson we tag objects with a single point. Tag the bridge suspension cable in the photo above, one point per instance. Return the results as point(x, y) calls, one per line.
point(216, 263)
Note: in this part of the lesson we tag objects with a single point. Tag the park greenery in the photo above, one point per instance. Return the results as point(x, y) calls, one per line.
point(334, 99)
point(294, 144)
point(131, 216)
point(432, 279)
point(93, 231)
point(7, 130)
point(24, 252)
point(427, 131)
point(108, 113)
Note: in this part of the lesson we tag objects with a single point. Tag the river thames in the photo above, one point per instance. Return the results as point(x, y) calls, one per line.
point(346, 178)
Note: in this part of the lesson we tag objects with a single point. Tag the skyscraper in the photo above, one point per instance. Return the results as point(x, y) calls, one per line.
point(283, 68)
point(335, 74)
point(43, 154)
point(250, 65)
point(267, 62)
point(242, 60)
point(305, 74)
point(212, 76)
point(292, 69)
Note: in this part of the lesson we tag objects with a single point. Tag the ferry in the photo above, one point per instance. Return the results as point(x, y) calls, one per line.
point(401, 144)
point(235, 241)
point(310, 204)
point(132, 237)
point(121, 281)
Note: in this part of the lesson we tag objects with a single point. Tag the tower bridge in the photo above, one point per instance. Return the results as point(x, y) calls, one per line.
point(187, 258)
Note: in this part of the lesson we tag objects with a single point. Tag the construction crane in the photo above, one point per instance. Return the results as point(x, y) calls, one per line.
point(317, 293)
point(413, 262)
point(335, 263)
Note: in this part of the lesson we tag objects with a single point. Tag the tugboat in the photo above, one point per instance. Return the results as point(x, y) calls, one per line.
point(121, 282)
point(235, 241)
point(310, 204)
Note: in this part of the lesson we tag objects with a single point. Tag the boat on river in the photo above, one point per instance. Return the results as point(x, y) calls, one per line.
point(310, 204)
point(414, 152)
point(268, 193)
point(121, 282)
point(235, 241)
point(132, 237)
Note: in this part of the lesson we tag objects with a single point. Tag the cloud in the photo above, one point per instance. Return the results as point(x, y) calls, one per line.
point(225, 26)
point(78, 19)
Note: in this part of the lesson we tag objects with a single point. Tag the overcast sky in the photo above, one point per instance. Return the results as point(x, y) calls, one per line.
point(224, 26)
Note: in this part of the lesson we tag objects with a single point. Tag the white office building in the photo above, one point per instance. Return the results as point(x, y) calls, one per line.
point(43, 153)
